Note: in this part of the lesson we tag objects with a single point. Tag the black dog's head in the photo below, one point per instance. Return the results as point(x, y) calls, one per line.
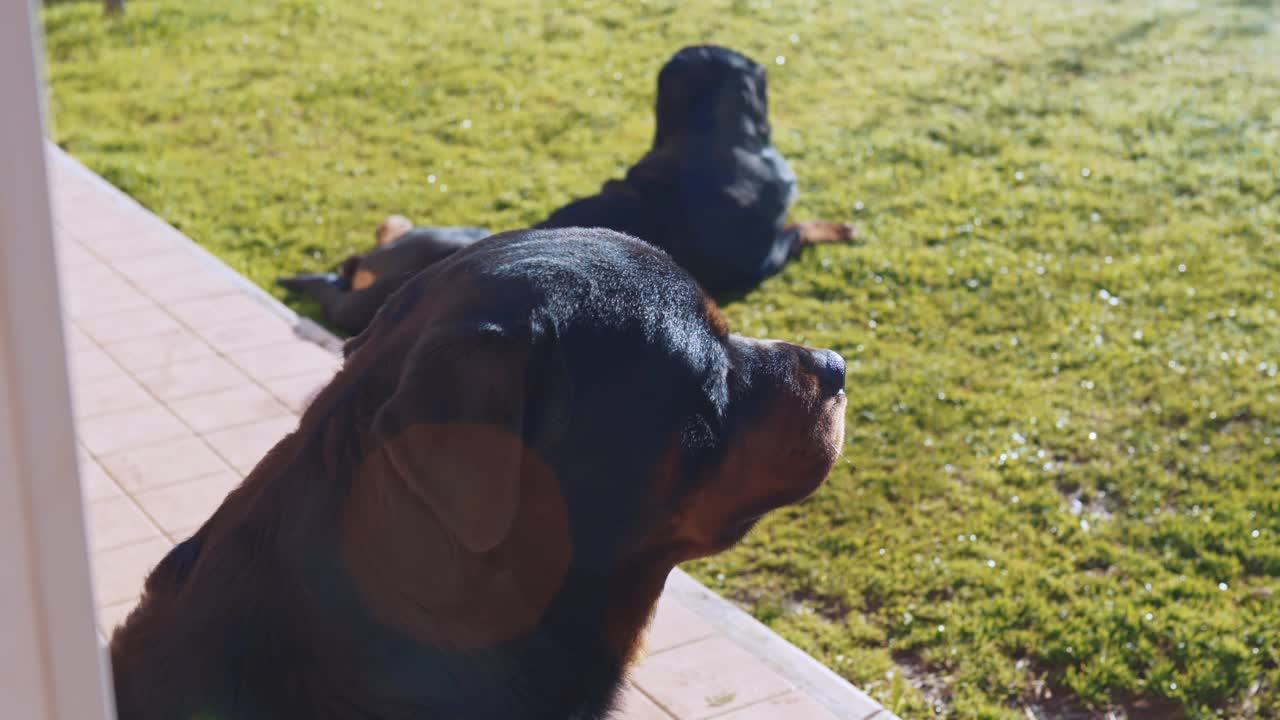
point(566, 405)
point(712, 92)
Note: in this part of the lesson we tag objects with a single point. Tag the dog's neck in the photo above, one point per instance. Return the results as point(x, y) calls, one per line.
point(515, 634)
point(520, 616)
point(685, 146)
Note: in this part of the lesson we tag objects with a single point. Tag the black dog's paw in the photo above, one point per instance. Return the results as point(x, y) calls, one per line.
point(814, 232)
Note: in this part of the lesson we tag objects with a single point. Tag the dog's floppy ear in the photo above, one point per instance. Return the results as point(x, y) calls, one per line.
point(455, 429)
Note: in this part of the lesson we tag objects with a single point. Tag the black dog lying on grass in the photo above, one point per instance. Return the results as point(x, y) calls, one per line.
point(713, 192)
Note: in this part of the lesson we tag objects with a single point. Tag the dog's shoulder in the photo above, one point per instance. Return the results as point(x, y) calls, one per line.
point(171, 573)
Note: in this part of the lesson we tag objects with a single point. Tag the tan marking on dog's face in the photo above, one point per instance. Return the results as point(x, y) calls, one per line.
point(779, 459)
point(362, 279)
point(778, 455)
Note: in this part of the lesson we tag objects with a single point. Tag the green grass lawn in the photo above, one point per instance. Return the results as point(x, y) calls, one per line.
point(1061, 323)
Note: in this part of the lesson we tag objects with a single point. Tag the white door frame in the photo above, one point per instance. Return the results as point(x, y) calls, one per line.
point(51, 664)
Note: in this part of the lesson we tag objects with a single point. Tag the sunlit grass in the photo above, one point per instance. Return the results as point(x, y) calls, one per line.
point(1061, 325)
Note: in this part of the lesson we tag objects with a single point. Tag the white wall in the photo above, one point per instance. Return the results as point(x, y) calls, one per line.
point(51, 667)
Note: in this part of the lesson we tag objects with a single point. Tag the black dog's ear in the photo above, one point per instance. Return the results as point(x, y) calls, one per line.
point(674, 106)
point(456, 430)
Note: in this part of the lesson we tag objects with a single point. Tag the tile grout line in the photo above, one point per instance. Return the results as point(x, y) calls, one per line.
point(165, 533)
point(127, 375)
point(655, 700)
point(752, 704)
point(682, 644)
point(174, 483)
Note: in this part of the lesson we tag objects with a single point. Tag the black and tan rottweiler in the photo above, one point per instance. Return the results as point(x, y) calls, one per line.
point(475, 519)
point(713, 192)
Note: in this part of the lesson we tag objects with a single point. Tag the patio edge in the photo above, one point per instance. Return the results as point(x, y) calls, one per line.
point(811, 677)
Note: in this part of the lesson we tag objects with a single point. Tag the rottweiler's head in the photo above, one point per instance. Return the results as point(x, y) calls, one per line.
point(560, 409)
point(712, 93)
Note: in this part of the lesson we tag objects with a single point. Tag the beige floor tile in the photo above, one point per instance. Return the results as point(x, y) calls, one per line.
point(247, 333)
point(707, 678)
point(109, 616)
point(129, 325)
point(71, 194)
point(72, 255)
point(297, 392)
point(244, 445)
point(183, 507)
point(75, 338)
point(118, 573)
point(226, 408)
point(674, 625)
point(126, 233)
point(290, 359)
point(192, 377)
point(179, 288)
point(106, 434)
point(68, 189)
point(87, 279)
point(175, 261)
point(88, 213)
point(143, 468)
point(634, 705)
point(149, 353)
point(112, 394)
point(792, 706)
point(93, 288)
point(111, 296)
point(117, 521)
point(220, 310)
point(91, 363)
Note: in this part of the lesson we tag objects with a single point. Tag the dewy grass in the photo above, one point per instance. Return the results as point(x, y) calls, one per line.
point(1061, 323)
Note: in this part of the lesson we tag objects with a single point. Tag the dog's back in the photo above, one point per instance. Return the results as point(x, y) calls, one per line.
point(713, 191)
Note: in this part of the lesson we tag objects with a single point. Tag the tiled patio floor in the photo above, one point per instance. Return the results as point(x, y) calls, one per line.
point(183, 375)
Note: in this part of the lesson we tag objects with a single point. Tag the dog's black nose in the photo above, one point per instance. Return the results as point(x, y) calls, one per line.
point(830, 368)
